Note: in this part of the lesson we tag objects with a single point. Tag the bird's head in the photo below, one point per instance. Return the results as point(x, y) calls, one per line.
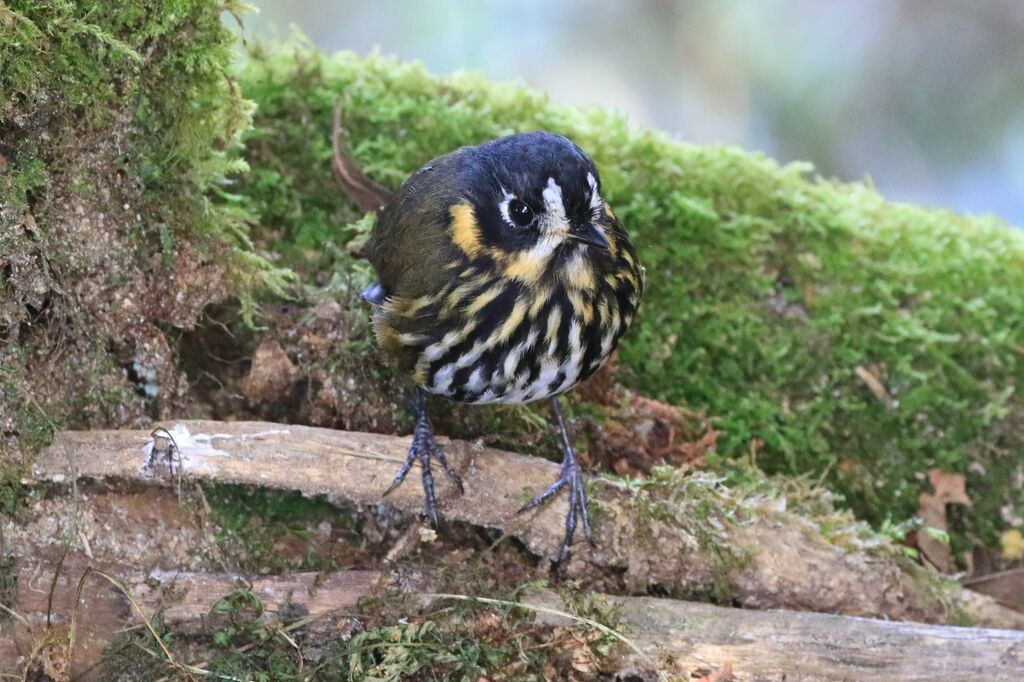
point(530, 201)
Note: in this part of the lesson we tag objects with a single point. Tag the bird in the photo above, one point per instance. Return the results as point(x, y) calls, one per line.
point(503, 276)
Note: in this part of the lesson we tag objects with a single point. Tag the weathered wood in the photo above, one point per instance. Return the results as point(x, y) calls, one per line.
point(774, 645)
point(673, 637)
point(790, 564)
point(184, 598)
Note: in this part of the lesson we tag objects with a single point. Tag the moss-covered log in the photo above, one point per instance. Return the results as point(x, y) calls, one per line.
point(661, 635)
point(119, 126)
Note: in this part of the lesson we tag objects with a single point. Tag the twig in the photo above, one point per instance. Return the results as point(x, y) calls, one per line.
point(187, 669)
point(875, 385)
point(367, 193)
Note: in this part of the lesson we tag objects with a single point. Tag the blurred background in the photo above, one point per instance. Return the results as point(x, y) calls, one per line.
point(925, 97)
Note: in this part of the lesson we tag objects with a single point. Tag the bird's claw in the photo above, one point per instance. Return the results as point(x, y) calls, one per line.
point(424, 448)
point(571, 476)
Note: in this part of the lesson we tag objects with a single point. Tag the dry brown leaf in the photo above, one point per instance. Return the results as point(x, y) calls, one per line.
point(648, 432)
point(583, 658)
point(949, 489)
point(271, 375)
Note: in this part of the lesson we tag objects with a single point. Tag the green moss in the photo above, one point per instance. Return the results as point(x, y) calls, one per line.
point(119, 127)
point(8, 584)
point(699, 505)
point(946, 590)
point(452, 640)
point(767, 287)
point(268, 531)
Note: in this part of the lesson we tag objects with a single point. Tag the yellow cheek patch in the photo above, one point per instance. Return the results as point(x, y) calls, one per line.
point(465, 229)
point(527, 267)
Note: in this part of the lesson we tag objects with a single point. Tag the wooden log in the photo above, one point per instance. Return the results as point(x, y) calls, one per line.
point(667, 636)
point(787, 563)
point(184, 598)
point(769, 646)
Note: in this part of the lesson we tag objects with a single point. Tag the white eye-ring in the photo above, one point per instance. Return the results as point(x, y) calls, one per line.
point(515, 211)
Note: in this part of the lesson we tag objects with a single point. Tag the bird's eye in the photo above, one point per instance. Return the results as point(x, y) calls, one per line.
point(520, 213)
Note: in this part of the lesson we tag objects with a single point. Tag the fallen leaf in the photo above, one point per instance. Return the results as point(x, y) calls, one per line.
point(271, 375)
point(949, 489)
point(583, 659)
point(486, 624)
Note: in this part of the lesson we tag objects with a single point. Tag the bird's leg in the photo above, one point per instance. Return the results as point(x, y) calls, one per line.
point(424, 448)
point(572, 476)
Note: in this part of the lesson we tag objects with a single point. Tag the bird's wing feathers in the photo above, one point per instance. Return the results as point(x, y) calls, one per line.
point(409, 246)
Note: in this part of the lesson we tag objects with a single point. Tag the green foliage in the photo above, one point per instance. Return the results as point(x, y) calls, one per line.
point(400, 651)
point(8, 584)
point(766, 287)
point(163, 64)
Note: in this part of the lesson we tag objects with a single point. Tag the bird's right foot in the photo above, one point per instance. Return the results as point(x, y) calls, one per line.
point(424, 448)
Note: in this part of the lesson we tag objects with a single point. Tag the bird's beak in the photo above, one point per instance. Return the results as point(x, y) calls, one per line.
point(591, 235)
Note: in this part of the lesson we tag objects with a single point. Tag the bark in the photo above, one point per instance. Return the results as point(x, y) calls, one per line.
point(786, 563)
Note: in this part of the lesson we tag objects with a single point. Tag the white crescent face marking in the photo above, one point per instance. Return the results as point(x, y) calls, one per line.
point(596, 202)
point(554, 221)
point(553, 204)
point(503, 206)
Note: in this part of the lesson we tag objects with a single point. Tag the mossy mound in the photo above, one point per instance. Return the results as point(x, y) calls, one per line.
point(830, 330)
point(119, 125)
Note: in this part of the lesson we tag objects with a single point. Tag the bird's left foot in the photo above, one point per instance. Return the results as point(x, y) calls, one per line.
point(424, 448)
point(571, 477)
